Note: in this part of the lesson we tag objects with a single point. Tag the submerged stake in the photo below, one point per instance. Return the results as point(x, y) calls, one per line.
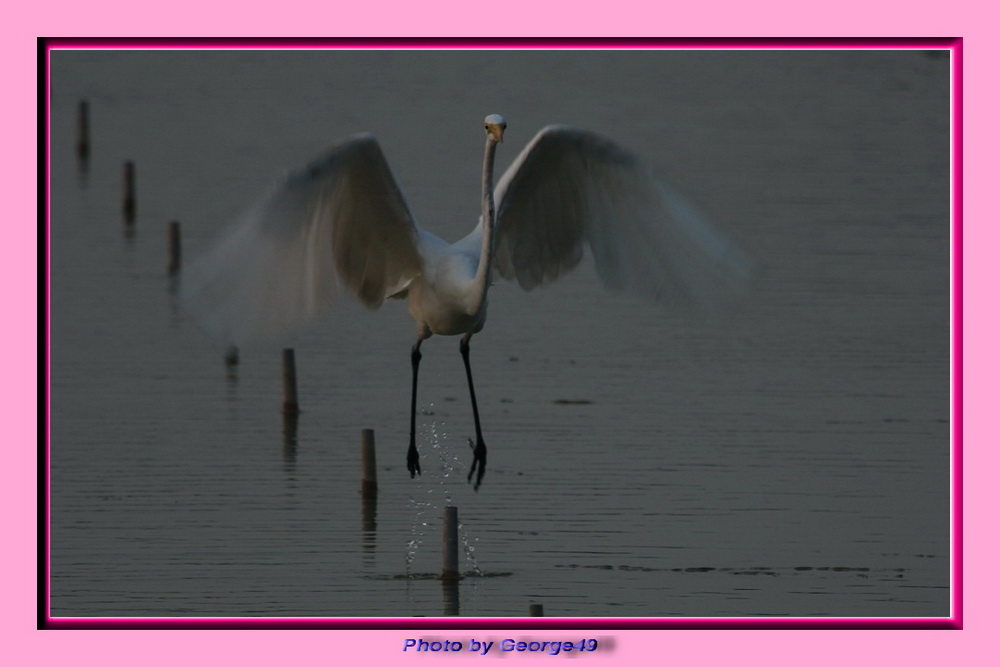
point(83, 130)
point(128, 197)
point(291, 390)
point(174, 253)
point(369, 481)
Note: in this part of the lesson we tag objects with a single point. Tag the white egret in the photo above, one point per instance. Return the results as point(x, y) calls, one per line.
point(344, 220)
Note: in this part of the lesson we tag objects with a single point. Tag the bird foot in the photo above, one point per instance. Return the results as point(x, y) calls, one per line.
point(478, 461)
point(413, 460)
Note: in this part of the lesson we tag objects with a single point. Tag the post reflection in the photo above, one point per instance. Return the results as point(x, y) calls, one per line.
point(369, 526)
point(83, 169)
point(449, 590)
point(290, 438)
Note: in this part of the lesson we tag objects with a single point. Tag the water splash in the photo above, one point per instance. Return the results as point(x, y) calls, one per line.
point(448, 461)
point(417, 530)
point(469, 548)
point(436, 491)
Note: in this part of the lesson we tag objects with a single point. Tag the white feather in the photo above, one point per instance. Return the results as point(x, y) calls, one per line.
point(342, 220)
point(570, 189)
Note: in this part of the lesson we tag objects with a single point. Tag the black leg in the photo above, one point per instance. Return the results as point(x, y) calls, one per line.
point(412, 457)
point(479, 450)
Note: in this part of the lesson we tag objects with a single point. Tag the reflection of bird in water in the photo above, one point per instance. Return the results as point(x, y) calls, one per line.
point(344, 219)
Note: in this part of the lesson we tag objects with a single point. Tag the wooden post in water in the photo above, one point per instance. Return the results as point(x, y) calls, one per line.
point(535, 610)
point(128, 196)
point(449, 566)
point(369, 476)
point(83, 130)
point(174, 253)
point(291, 389)
point(369, 490)
point(232, 362)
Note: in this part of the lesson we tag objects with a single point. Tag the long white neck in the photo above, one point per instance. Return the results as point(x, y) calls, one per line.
point(484, 273)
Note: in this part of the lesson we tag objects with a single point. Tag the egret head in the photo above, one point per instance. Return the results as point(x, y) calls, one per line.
point(495, 125)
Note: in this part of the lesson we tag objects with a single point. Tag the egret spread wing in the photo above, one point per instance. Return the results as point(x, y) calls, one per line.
point(569, 188)
point(342, 219)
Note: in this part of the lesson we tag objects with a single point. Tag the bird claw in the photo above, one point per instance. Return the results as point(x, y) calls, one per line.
point(478, 461)
point(413, 461)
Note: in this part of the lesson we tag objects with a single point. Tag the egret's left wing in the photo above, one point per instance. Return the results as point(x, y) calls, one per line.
point(571, 188)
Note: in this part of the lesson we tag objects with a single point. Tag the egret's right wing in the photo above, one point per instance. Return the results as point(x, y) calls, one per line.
point(342, 219)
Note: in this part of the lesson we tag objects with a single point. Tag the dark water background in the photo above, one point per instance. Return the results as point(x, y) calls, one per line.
point(792, 458)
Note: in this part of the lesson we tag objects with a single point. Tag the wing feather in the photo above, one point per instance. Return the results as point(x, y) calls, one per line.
point(571, 188)
point(340, 220)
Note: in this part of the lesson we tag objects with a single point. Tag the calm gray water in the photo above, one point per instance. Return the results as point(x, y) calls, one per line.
point(791, 458)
